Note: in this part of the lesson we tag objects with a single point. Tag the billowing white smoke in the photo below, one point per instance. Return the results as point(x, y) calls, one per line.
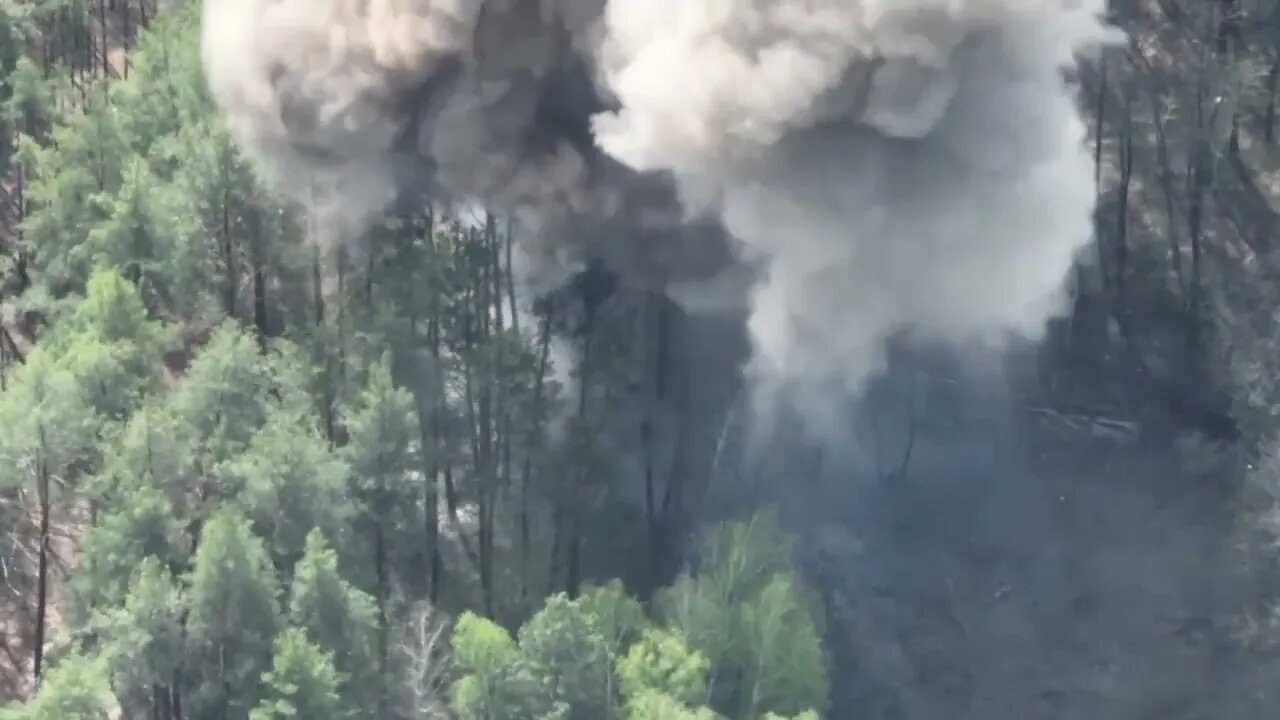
point(889, 165)
point(899, 164)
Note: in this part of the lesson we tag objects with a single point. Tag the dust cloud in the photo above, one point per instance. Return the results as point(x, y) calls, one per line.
point(844, 170)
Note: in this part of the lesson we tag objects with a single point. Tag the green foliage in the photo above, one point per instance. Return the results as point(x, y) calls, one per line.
point(742, 617)
point(565, 654)
point(10, 39)
point(141, 526)
point(494, 685)
point(290, 482)
point(143, 640)
point(654, 705)
point(72, 181)
point(232, 618)
point(76, 689)
point(48, 433)
point(619, 618)
point(381, 429)
point(337, 617)
point(274, 446)
point(165, 92)
point(223, 395)
point(745, 610)
point(302, 683)
point(785, 667)
point(661, 662)
point(110, 345)
point(112, 311)
point(144, 223)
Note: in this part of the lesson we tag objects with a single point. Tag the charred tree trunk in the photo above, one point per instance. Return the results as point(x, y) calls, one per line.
point(526, 476)
point(103, 35)
point(1273, 81)
point(573, 570)
point(431, 435)
point(258, 260)
point(229, 280)
point(42, 564)
point(1122, 218)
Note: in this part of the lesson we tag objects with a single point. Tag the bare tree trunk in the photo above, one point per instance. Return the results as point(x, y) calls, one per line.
point(42, 562)
point(657, 356)
point(1099, 121)
point(534, 439)
point(1273, 81)
point(1166, 174)
point(102, 30)
point(256, 256)
point(1198, 178)
point(126, 34)
point(478, 404)
point(229, 279)
point(1122, 216)
point(175, 697)
point(501, 401)
point(431, 434)
point(573, 572)
point(1099, 129)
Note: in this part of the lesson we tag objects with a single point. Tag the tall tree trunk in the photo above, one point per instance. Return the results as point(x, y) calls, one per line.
point(229, 279)
point(573, 571)
point(102, 31)
point(1273, 84)
point(658, 325)
point(534, 440)
point(431, 493)
point(317, 286)
point(256, 257)
point(126, 34)
point(1166, 178)
point(477, 403)
point(380, 569)
point(42, 562)
point(1099, 130)
point(175, 696)
point(1122, 218)
point(430, 427)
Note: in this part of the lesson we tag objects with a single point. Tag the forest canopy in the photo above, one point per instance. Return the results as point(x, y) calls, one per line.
point(250, 471)
point(250, 474)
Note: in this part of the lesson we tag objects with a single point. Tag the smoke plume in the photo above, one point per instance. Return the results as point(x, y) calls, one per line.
point(873, 166)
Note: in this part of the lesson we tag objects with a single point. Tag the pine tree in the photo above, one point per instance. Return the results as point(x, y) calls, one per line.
point(338, 618)
point(143, 641)
point(77, 688)
point(380, 430)
point(302, 683)
point(47, 445)
point(494, 685)
point(290, 483)
point(232, 620)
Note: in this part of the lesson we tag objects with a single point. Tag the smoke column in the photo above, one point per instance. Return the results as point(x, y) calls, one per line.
point(874, 167)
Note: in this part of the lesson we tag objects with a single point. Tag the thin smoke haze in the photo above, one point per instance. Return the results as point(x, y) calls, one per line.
point(871, 167)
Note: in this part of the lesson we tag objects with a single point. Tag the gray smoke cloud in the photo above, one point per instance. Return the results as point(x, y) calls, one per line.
point(870, 167)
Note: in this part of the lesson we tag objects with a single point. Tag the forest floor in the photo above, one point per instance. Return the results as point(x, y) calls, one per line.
point(18, 614)
point(1028, 563)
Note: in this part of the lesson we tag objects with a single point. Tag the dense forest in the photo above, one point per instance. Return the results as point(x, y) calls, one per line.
point(248, 471)
point(249, 474)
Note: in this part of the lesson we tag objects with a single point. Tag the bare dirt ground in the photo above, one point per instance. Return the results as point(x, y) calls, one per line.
point(17, 600)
